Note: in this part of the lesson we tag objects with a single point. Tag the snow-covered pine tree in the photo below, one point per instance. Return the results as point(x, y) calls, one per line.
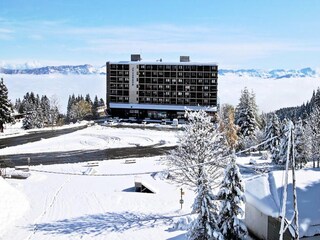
point(302, 148)
point(18, 105)
point(5, 106)
point(284, 139)
point(232, 196)
point(199, 143)
point(273, 130)
point(54, 110)
point(313, 133)
point(71, 102)
point(245, 118)
point(255, 109)
point(205, 226)
point(38, 117)
point(45, 107)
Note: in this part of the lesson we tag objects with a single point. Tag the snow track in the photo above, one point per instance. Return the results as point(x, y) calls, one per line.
point(48, 207)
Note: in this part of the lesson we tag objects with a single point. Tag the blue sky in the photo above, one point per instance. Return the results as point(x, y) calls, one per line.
point(235, 34)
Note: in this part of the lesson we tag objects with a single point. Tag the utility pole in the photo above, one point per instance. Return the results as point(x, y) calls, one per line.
point(290, 158)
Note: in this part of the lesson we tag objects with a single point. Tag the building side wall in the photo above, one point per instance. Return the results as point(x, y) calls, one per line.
point(256, 222)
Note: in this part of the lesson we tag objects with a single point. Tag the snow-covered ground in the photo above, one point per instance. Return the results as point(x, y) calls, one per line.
point(15, 129)
point(63, 206)
point(97, 200)
point(96, 207)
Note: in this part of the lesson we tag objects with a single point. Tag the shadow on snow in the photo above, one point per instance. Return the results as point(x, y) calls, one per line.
point(102, 223)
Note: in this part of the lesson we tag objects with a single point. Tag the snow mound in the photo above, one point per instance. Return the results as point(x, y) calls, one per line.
point(14, 205)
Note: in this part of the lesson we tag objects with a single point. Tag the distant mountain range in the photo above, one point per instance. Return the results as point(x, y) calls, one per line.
point(276, 73)
point(87, 69)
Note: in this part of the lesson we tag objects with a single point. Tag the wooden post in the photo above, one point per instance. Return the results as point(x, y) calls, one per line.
point(181, 200)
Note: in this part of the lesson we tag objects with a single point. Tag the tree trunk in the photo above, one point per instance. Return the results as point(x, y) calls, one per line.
point(1, 127)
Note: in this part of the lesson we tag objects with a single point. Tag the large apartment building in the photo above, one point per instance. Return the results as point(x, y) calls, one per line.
point(159, 89)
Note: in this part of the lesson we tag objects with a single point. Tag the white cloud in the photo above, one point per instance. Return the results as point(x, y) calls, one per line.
point(6, 34)
point(230, 46)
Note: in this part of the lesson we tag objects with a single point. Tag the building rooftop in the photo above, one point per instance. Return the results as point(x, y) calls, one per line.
point(165, 63)
point(265, 193)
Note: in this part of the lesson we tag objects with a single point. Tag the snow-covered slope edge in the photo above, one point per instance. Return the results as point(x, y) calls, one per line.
point(14, 205)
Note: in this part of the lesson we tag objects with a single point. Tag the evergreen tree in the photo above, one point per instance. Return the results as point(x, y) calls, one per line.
point(54, 110)
point(5, 106)
point(18, 105)
point(205, 226)
point(101, 102)
point(302, 148)
point(246, 113)
point(232, 197)
point(28, 108)
point(313, 133)
point(286, 125)
point(95, 107)
point(273, 131)
point(39, 115)
point(71, 102)
point(88, 99)
point(200, 143)
point(27, 122)
point(45, 107)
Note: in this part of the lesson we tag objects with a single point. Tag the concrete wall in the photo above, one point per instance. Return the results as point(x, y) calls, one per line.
point(256, 222)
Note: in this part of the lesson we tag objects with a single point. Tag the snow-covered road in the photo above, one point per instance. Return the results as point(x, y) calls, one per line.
point(97, 137)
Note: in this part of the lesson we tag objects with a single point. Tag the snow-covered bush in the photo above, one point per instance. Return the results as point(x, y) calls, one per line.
point(264, 156)
point(182, 223)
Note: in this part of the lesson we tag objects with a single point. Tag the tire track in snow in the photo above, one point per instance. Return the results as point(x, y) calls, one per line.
point(35, 228)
